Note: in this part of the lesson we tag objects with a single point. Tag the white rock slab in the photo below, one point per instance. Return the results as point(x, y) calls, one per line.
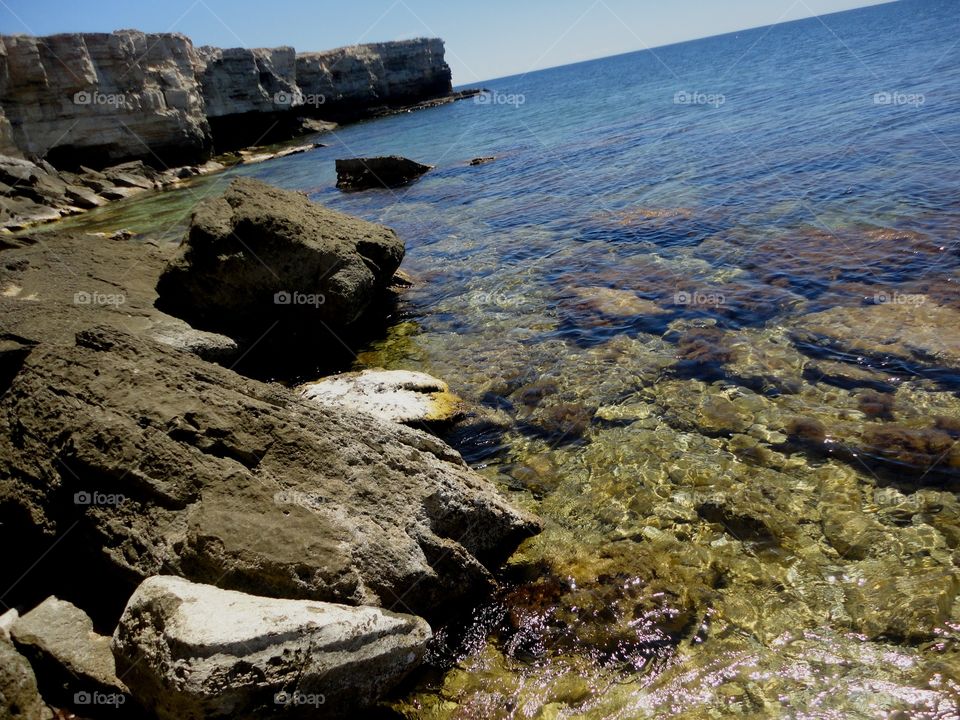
point(401, 396)
point(196, 651)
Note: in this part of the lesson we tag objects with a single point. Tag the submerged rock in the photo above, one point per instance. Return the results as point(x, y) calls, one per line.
point(260, 255)
point(163, 463)
point(60, 641)
point(192, 651)
point(396, 395)
point(906, 332)
point(378, 172)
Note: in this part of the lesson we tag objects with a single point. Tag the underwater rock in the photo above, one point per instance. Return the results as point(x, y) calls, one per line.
point(906, 603)
point(911, 333)
point(614, 302)
point(922, 450)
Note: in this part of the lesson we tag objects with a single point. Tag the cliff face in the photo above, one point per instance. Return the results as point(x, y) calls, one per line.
point(356, 78)
point(101, 98)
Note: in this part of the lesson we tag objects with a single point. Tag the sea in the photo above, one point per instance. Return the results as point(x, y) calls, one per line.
point(703, 300)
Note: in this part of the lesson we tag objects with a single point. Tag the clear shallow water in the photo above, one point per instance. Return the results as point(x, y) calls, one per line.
point(715, 345)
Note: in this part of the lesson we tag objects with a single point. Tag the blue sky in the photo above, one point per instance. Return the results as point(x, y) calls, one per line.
point(485, 38)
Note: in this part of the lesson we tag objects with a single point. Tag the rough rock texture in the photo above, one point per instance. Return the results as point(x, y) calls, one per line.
point(104, 97)
point(238, 81)
point(7, 621)
point(53, 283)
point(100, 98)
point(19, 698)
point(196, 651)
point(61, 644)
point(362, 76)
point(396, 395)
point(379, 172)
point(259, 255)
point(157, 462)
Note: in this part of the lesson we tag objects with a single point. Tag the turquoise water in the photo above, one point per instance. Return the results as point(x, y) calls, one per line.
point(705, 303)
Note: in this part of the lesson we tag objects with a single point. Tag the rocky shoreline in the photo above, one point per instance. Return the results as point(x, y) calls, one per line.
point(247, 548)
point(88, 118)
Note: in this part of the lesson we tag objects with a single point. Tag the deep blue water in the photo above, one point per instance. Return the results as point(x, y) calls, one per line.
point(798, 141)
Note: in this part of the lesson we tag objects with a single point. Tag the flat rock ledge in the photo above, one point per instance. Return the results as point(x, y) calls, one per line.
point(401, 396)
point(194, 651)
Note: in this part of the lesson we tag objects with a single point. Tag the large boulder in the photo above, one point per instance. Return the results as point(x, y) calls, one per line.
point(378, 172)
point(75, 663)
point(196, 651)
point(259, 255)
point(19, 698)
point(157, 462)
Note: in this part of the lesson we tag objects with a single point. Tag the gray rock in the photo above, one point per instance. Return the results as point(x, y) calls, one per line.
point(83, 197)
point(121, 193)
point(207, 345)
point(10, 617)
point(379, 172)
point(19, 697)
point(196, 651)
point(260, 255)
point(186, 468)
point(61, 644)
point(126, 180)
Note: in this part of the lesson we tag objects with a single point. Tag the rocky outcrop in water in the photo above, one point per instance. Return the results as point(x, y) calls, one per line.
point(378, 172)
point(192, 651)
